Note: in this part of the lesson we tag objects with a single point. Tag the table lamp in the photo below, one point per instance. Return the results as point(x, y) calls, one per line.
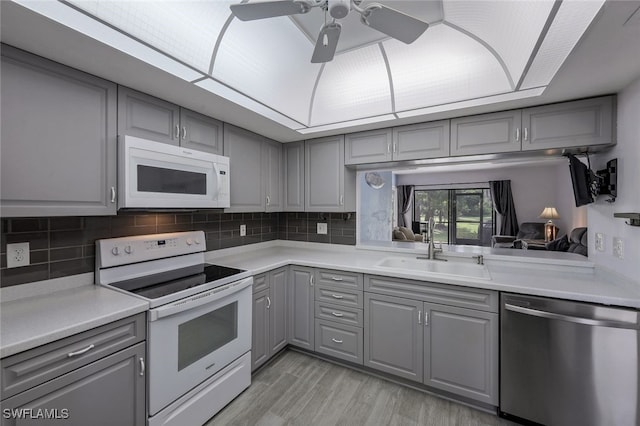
point(549, 228)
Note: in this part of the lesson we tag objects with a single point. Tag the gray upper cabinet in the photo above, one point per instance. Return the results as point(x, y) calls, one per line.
point(300, 306)
point(419, 141)
point(245, 152)
point(368, 147)
point(393, 335)
point(200, 132)
point(329, 186)
point(272, 172)
point(569, 124)
point(461, 351)
point(293, 154)
point(486, 134)
point(147, 117)
point(151, 118)
point(58, 134)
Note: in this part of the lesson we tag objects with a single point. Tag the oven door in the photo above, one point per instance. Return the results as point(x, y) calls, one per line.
point(156, 175)
point(193, 338)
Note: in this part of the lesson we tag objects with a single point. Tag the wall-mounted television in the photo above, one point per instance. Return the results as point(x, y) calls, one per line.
point(587, 185)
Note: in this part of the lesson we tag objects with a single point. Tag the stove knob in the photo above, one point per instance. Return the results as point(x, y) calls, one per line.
point(197, 241)
point(128, 249)
point(189, 241)
point(115, 251)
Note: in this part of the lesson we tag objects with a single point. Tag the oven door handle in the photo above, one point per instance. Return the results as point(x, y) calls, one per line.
point(199, 299)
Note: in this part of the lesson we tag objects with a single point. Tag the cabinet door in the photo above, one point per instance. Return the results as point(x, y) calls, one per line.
point(580, 123)
point(461, 352)
point(260, 329)
point(393, 334)
point(58, 139)
point(293, 176)
point(200, 132)
point(110, 391)
point(278, 310)
point(424, 140)
point(368, 147)
point(329, 186)
point(300, 307)
point(147, 117)
point(486, 134)
point(244, 150)
point(273, 176)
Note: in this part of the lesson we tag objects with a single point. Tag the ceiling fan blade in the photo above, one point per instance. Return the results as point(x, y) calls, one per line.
point(327, 42)
point(393, 23)
point(269, 9)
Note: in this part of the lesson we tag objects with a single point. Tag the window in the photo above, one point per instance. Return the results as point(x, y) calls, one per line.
point(462, 216)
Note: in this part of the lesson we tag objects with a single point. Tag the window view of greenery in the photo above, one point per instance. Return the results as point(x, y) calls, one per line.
point(462, 216)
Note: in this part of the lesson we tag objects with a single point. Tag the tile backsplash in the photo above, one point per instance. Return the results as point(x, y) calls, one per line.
point(62, 246)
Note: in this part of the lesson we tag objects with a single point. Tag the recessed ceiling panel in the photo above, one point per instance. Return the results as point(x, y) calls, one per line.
point(186, 30)
point(354, 85)
point(571, 21)
point(270, 61)
point(442, 66)
point(511, 28)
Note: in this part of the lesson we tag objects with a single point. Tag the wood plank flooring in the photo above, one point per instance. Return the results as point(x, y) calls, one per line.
point(297, 389)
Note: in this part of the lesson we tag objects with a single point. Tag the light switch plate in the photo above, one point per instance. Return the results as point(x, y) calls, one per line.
point(243, 230)
point(599, 241)
point(17, 255)
point(322, 228)
point(618, 247)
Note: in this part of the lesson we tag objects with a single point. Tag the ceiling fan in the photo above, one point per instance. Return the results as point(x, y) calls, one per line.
point(375, 15)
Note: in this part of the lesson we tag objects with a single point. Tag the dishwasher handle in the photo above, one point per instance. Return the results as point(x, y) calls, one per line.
point(570, 318)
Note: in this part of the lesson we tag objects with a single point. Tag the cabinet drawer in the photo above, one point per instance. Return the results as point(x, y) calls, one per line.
point(36, 366)
point(328, 277)
point(445, 294)
point(339, 296)
point(342, 314)
point(339, 341)
point(260, 283)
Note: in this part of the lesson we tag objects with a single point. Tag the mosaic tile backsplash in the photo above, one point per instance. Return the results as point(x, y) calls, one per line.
point(62, 246)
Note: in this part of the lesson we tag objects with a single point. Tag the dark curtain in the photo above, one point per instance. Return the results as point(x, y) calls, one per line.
point(405, 202)
point(503, 205)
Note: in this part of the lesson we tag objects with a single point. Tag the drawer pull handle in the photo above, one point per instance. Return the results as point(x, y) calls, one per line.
point(142, 367)
point(337, 314)
point(336, 278)
point(337, 296)
point(268, 303)
point(336, 340)
point(81, 351)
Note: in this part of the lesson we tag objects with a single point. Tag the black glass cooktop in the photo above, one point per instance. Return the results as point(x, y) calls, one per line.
point(154, 286)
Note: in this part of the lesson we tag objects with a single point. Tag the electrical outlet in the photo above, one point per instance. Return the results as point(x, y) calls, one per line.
point(243, 230)
point(322, 228)
point(618, 247)
point(599, 241)
point(17, 255)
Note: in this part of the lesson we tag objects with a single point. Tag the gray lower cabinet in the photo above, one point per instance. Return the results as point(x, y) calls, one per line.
point(293, 167)
point(393, 335)
point(569, 124)
point(269, 331)
point(300, 304)
point(486, 134)
point(58, 131)
point(148, 117)
point(96, 377)
point(460, 351)
point(329, 185)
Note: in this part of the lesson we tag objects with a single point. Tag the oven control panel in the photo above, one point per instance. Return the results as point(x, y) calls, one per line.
point(126, 250)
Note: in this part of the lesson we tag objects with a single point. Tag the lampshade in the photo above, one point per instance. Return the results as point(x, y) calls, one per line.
point(549, 213)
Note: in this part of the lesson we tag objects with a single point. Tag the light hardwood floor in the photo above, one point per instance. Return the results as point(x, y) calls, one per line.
point(297, 389)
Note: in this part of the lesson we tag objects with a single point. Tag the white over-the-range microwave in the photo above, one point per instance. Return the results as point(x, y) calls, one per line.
point(153, 175)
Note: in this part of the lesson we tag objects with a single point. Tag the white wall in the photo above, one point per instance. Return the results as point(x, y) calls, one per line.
point(533, 187)
point(601, 219)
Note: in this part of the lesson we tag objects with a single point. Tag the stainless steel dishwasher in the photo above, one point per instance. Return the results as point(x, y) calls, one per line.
point(569, 363)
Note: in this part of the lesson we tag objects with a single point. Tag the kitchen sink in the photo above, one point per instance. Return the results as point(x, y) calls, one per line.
point(436, 267)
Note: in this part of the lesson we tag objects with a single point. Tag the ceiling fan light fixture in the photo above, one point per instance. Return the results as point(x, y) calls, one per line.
point(339, 9)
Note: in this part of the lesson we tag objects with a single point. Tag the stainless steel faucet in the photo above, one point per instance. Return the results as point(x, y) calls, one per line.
point(431, 251)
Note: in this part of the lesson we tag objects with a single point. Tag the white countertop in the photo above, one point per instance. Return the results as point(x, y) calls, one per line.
point(567, 276)
point(46, 311)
